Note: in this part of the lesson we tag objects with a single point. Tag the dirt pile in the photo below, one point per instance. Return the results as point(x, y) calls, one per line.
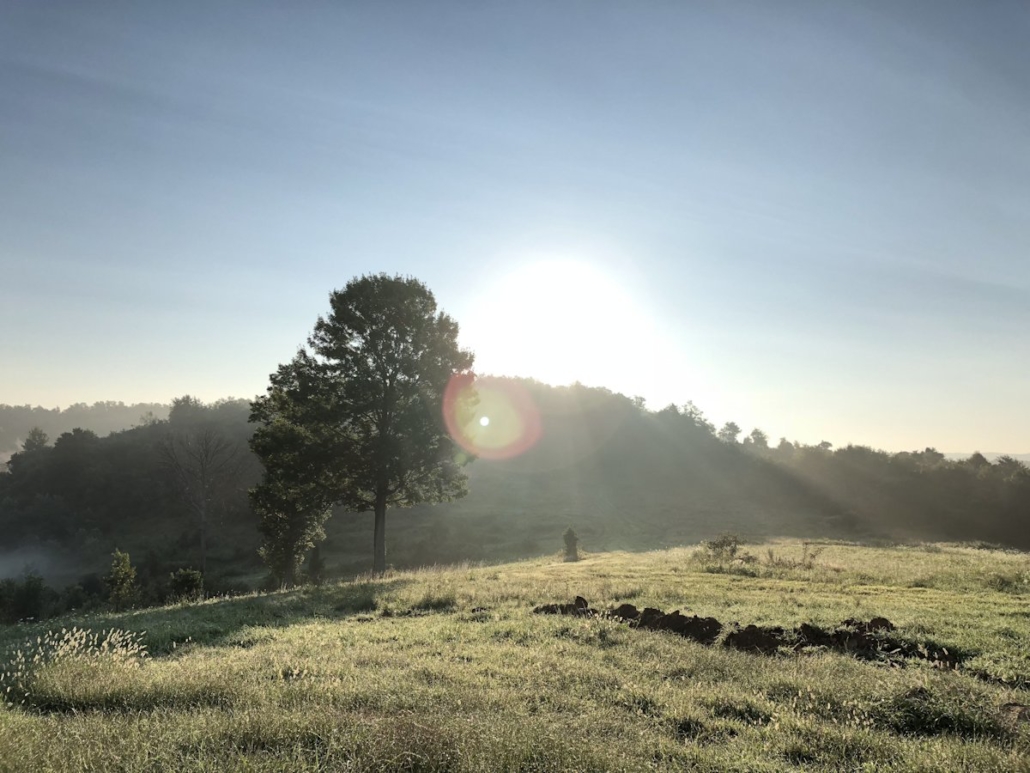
point(866, 639)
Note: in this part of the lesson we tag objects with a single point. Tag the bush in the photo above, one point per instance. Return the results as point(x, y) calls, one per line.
point(186, 585)
point(722, 548)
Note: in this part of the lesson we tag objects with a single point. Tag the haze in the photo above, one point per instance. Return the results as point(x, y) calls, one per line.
point(808, 217)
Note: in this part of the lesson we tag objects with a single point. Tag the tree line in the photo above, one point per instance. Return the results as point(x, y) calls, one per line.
point(16, 421)
point(353, 423)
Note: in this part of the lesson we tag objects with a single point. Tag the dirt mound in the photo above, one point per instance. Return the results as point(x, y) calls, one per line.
point(579, 608)
point(766, 641)
point(866, 639)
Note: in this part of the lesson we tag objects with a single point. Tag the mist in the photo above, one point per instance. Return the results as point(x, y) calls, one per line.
point(23, 561)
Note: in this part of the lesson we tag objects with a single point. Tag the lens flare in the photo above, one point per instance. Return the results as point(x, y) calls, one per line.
point(492, 418)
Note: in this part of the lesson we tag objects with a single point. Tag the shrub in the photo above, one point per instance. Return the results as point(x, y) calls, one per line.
point(186, 585)
point(722, 548)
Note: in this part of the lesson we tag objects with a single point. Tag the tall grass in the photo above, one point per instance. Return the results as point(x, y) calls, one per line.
point(447, 670)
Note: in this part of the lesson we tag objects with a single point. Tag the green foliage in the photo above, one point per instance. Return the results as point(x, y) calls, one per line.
point(84, 495)
point(357, 421)
point(121, 581)
point(186, 585)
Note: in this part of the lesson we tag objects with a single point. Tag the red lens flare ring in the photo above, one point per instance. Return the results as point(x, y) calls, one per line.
point(490, 417)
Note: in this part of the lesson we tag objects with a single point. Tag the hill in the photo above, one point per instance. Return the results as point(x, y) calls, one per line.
point(623, 477)
point(449, 669)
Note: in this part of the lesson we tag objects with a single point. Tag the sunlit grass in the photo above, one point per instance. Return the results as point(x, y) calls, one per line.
point(447, 669)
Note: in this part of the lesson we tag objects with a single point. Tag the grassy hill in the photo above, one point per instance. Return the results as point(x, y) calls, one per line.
point(449, 669)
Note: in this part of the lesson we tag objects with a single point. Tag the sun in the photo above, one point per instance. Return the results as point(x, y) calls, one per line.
point(562, 321)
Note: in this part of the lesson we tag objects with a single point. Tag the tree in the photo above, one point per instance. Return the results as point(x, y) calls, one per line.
point(28, 462)
point(1011, 470)
point(37, 440)
point(357, 422)
point(729, 432)
point(121, 581)
point(203, 463)
point(696, 417)
point(977, 461)
point(297, 433)
point(757, 439)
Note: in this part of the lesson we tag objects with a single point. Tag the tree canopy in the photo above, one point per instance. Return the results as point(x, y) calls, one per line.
point(356, 420)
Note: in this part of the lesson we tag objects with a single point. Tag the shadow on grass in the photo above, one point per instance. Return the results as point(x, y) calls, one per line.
point(221, 621)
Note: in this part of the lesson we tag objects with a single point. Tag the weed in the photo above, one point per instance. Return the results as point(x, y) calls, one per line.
point(77, 645)
point(722, 548)
point(807, 560)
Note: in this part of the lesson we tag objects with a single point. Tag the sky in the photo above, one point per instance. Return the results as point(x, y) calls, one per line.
point(808, 217)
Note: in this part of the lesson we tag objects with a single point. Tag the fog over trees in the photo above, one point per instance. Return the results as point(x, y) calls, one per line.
point(17, 421)
point(191, 496)
point(621, 475)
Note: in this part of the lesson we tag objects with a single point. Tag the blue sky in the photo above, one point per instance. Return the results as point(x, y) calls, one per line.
point(814, 217)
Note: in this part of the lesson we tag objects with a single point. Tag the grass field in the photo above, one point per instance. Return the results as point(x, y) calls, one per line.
point(449, 669)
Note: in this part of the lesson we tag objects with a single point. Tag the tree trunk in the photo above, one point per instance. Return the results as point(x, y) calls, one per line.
point(203, 540)
point(379, 555)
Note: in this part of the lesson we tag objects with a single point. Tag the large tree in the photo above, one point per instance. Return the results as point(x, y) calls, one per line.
point(204, 463)
point(356, 420)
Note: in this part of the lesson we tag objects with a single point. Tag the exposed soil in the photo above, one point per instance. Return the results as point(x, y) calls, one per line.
point(866, 639)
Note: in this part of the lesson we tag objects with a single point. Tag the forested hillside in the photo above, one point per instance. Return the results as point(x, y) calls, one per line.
point(100, 418)
point(620, 475)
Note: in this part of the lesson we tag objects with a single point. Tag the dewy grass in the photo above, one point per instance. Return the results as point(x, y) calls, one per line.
point(447, 669)
point(84, 650)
